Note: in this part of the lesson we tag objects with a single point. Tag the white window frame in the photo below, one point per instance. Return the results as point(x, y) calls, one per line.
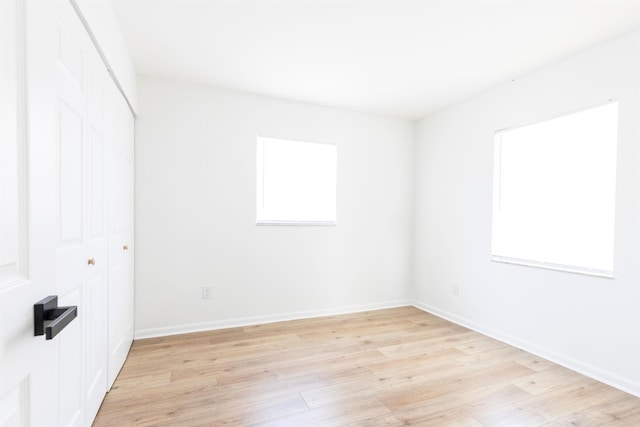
point(498, 251)
point(277, 215)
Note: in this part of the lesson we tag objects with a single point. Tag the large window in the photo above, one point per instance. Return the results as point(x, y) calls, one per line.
point(296, 182)
point(554, 192)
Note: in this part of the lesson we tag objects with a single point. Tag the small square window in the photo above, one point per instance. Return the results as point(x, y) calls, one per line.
point(296, 182)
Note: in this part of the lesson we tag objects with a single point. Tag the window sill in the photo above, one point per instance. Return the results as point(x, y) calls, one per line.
point(296, 223)
point(550, 266)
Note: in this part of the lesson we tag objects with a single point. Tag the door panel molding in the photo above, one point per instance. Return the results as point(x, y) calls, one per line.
point(13, 151)
point(14, 407)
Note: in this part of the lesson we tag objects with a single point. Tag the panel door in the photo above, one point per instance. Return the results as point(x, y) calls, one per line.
point(96, 286)
point(65, 83)
point(82, 248)
point(121, 293)
point(28, 384)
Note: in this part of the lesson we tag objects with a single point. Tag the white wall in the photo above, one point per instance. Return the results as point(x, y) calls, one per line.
point(588, 323)
point(195, 212)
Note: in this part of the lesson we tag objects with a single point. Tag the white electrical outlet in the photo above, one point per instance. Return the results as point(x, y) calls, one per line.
point(455, 289)
point(206, 292)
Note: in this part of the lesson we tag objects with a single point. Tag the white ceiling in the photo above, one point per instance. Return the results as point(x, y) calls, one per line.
point(397, 58)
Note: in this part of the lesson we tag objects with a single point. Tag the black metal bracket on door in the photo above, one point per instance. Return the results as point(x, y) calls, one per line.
point(50, 319)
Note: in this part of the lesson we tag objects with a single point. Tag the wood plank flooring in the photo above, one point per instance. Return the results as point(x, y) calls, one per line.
point(392, 367)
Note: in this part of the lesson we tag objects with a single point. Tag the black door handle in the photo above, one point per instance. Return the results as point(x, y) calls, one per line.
point(50, 319)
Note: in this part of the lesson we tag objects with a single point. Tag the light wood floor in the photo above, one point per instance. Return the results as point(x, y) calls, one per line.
point(382, 368)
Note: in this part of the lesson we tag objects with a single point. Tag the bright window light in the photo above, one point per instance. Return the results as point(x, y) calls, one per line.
point(554, 192)
point(296, 182)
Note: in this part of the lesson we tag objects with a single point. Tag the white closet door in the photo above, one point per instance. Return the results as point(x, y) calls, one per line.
point(67, 81)
point(96, 288)
point(83, 248)
point(73, 263)
point(121, 295)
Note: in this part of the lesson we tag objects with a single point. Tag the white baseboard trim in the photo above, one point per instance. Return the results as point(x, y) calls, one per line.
point(259, 320)
point(590, 371)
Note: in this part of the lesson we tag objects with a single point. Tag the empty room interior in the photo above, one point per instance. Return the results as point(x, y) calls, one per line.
point(324, 213)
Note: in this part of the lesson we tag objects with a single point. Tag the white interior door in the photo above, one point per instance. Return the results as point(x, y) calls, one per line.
point(28, 382)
